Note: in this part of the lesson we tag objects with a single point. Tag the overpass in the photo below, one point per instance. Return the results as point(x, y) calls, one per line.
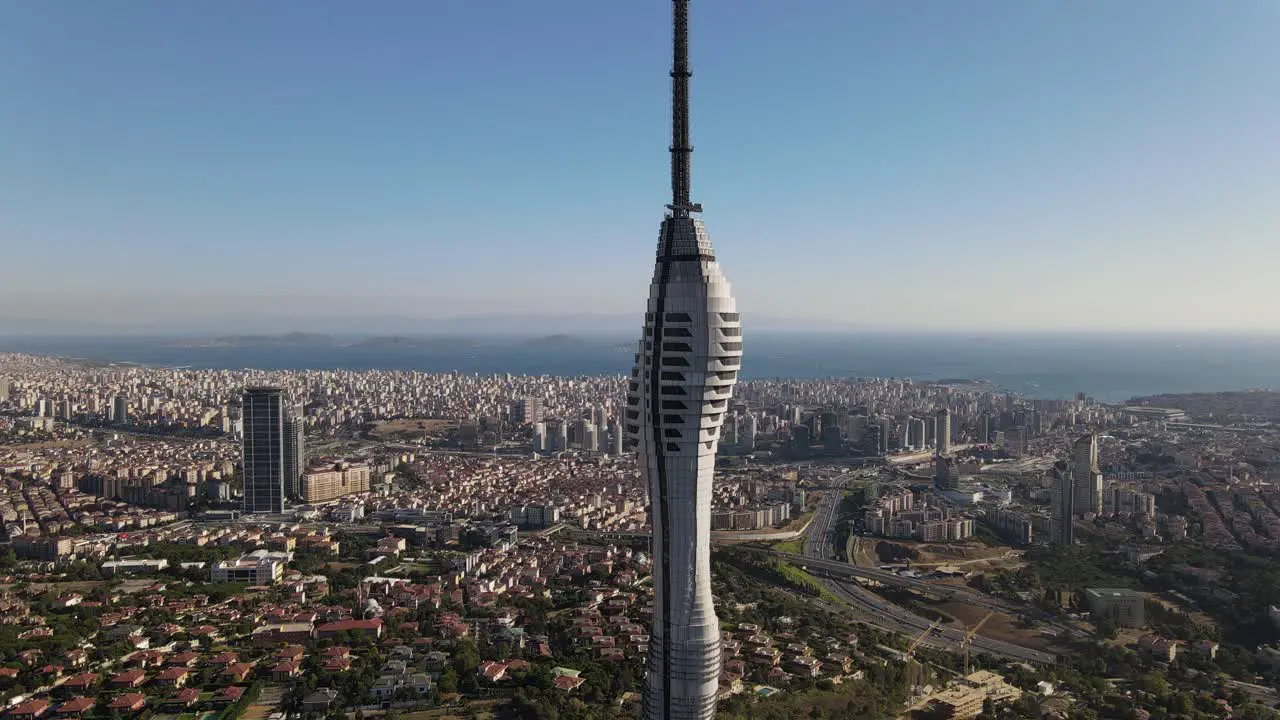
point(847, 571)
point(719, 536)
point(840, 578)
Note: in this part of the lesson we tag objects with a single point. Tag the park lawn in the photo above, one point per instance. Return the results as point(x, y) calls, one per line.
point(791, 546)
point(800, 578)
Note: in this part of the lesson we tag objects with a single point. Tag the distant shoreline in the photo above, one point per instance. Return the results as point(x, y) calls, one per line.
point(1110, 369)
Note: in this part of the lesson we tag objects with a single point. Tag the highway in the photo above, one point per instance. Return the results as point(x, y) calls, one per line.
point(879, 612)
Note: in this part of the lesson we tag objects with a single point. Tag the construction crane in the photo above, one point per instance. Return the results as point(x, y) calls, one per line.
point(915, 671)
point(911, 648)
point(968, 640)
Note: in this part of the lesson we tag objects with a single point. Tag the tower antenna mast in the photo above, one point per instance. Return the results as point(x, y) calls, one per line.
point(681, 149)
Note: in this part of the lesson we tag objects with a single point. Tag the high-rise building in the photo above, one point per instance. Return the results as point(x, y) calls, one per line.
point(120, 410)
point(616, 438)
point(944, 431)
point(800, 440)
point(984, 428)
point(944, 473)
point(915, 433)
point(263, 450)
point(1062, 512)
point(747, 437)
point(560, 438)
point(686, 368)
point(531, 410)
point(295, 452)
point(4, 389)
point(586, 436)
point(540, 437)
point(1015, 441)
point(1088, 479)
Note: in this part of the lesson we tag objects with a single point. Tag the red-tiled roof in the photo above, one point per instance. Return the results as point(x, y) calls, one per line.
point(348, 625)
point(31, 707)
point(76, 705)
point(188, 695)
point(129, 701)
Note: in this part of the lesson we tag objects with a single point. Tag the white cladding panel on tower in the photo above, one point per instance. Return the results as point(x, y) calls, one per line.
point(677, 401)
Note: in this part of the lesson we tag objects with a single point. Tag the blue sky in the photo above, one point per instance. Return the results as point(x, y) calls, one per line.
point(1091, 164)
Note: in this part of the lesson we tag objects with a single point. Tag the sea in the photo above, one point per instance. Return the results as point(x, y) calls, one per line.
point(1111, 368)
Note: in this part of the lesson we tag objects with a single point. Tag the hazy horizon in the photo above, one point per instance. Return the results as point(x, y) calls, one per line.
point(986, 166)
point(514, 326)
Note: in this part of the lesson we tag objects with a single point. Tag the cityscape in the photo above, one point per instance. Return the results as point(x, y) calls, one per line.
point(944, 548)
point(685, 536)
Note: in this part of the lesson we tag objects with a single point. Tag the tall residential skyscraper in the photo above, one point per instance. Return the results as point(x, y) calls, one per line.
point(1088, 479)
point(263, 450)
point(677, 399)
point(1062, 497)
point(944, 431)
point(295, 451)
point(747, 436)
point(120, 410)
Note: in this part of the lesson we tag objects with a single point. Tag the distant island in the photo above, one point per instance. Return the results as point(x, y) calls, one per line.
point(402, 341)
point(553, 341)
point(295, 339)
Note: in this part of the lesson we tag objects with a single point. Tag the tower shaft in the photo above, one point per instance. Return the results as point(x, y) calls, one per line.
point(686, 368)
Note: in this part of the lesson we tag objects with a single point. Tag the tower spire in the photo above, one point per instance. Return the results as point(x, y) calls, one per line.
point(681, 150)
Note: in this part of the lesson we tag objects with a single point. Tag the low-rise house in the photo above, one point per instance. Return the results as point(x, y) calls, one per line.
point(805, 666)
point(1158, 648)
point(226, 658)
point(838, 663)
point(129, 703)
point(184, 698)
point(1205, 648)
point(568, 683)
point(76, 707)
point(492, 672)
point(174, 677)
point(292, 653)
point(778, 676)
point(367, 629)
point(336, 665)
point(30, 710)
point(384, 688)
point(127, 679)
point(319, 701)
point(285, 671)
point(81, 682)
point(237, 672)
point(228, 695)
point(730, 683)
point(183, 659)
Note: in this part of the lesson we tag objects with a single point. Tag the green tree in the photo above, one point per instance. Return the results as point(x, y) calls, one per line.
point(1154, 683)
point(449, 681)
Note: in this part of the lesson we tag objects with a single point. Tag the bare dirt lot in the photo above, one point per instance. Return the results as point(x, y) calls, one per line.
point(963, 556)
point(412, 429)
point(999, 627)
